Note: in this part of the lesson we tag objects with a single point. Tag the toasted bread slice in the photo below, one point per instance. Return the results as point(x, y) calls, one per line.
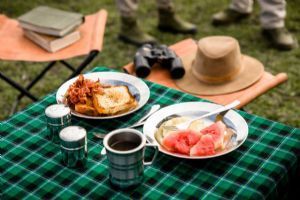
point(115, 100)
point(86, 109)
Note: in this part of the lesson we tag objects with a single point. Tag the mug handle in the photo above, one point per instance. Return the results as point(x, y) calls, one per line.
point(155, 153)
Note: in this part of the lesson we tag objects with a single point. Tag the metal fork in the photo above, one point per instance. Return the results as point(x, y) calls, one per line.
point(233, 135)
point(185, 125)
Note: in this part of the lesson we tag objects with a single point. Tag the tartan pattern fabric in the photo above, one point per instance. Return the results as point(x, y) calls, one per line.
point(31, 165)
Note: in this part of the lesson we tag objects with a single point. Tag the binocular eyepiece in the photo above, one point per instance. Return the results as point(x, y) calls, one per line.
point(148, 55)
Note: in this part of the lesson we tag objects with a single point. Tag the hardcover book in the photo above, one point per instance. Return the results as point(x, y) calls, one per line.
point(50, 21)
point(51, 43)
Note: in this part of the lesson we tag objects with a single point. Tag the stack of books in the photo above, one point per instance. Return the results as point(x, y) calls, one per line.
point(50, 28)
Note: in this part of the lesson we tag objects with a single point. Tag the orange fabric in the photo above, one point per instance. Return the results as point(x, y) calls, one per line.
point(188, 46)
point(15, 46)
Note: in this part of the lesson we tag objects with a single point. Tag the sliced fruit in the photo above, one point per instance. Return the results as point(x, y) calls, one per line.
point(180, 141)
point(162, 132)
point(169, 141)
point(197, 125)
point(217, 131)
point(182, 147)
point(204, 147)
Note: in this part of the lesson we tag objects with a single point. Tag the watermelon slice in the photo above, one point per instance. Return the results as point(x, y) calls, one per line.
point(217, 131)
point(204, 147)
point(162, 132)
point(180, 141)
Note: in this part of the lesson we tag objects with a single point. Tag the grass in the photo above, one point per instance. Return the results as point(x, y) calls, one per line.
point(280, 104)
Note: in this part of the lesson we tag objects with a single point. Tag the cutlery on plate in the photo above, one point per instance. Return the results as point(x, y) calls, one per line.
point(153, 109)
point(234, 141)
point(103, 151)
point(140, 122)
point(185, 125)
point(233, 135)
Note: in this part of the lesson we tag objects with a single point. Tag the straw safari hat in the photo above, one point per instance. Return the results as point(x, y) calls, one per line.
point(219, 68)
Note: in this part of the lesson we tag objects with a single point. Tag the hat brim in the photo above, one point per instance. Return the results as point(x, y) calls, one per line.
point(251, 72)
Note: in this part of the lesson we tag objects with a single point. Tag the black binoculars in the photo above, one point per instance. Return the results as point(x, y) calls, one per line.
point(148, 55)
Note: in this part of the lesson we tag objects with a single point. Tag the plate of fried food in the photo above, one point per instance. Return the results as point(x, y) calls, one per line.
point(205, 138)
point(103, 95)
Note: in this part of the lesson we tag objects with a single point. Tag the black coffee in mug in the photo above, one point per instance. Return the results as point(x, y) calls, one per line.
point(124, 141)
point(124, 145)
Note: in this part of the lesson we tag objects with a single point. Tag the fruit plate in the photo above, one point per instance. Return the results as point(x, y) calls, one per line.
point(232, 120)
point(136, 86)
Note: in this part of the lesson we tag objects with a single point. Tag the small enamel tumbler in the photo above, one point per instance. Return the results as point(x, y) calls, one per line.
point(125, 150)
point(58, 116)
point(73, 143)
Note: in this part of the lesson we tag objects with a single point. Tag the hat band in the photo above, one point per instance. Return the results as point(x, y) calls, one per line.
point(217, 80)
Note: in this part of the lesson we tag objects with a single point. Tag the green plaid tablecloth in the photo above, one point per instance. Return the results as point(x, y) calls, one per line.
point(31, 165)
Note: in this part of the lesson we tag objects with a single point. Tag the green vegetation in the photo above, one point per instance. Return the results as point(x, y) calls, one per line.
point(281, 104)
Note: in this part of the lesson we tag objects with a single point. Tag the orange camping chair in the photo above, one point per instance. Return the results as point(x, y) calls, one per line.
point(187, 48)
point(89, 45)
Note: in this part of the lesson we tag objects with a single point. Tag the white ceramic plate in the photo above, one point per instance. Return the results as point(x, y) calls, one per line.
point(136, 86)
point(192, 109)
